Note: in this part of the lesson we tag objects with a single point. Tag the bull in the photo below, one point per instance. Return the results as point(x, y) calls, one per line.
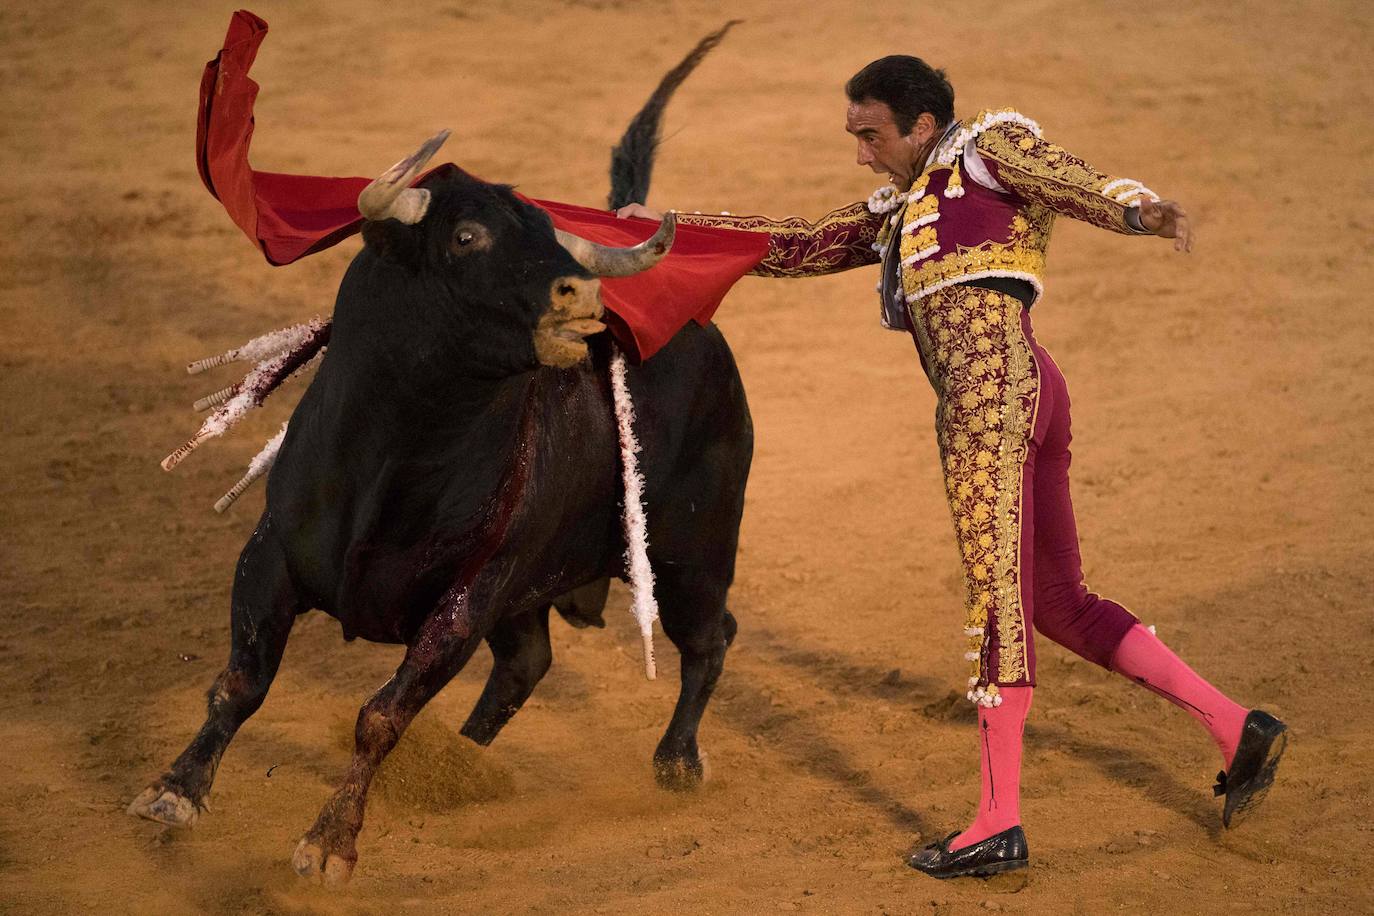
point(453, 471)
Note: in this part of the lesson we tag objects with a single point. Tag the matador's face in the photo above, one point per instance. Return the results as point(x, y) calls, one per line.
point(883, 147)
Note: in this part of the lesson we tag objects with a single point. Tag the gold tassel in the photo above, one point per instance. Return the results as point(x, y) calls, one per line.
point(955, 188)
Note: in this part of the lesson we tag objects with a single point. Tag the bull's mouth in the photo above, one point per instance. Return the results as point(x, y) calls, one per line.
point(561, 342)
point(575, 307)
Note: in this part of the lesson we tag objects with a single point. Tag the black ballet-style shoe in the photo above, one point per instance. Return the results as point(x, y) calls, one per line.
point(1262, 742)
point(1002, 852)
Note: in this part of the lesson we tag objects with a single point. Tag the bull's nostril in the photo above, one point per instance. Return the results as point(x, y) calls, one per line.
point(566, 289)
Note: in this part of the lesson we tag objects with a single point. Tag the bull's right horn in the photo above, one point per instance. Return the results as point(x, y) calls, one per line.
point(606, 261)
point(391, 196)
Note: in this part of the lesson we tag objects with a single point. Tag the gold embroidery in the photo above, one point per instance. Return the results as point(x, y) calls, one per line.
point(1022, 255)
point(928, 205)
point(1047, 174)
point(922, 239)
point(837, 241)
point(952, 147)
point(985, 375)
point(897, 219)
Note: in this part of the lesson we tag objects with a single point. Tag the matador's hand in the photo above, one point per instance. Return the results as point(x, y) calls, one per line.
point(640, 211)
point(1166, 219)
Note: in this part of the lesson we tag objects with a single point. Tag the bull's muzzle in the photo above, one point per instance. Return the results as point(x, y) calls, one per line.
point(575, 304)
point(574, 314)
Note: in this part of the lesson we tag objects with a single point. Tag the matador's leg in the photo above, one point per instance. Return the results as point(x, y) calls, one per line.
point(1065, 610)
point(985, 374)
point(983, 367)
point(1096, 628)
point(1103, 632)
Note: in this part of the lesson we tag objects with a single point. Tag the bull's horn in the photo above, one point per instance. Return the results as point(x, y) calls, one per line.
point(605, 261)
point(391, 196)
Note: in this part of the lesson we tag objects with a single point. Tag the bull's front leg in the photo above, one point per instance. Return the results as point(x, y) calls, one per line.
point(443, 645)
point(264, 605)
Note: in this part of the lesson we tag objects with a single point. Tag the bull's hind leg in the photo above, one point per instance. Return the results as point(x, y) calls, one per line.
point(443, 645)
point(263, 606)
point(692, 611)
point(520, 646)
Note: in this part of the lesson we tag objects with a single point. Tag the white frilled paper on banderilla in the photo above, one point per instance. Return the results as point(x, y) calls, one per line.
point(644, 606)
point(259, 348)
point(274, 354)
point(262, 463)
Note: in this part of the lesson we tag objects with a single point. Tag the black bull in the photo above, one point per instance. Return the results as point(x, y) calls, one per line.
point(438, 486)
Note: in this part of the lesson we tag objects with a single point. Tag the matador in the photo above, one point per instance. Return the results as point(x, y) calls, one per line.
point(961, 235)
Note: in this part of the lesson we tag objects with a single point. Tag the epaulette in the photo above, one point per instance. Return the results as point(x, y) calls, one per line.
point(953, 146)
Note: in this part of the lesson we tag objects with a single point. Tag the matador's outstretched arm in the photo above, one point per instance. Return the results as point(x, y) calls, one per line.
point(1047, 174)
point(840, 240)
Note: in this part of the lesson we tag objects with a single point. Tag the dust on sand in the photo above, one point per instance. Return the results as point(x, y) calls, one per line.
point(1222, 476)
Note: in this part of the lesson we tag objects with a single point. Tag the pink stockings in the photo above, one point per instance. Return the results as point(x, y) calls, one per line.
point(1147, 661)
point(999, 749)
point(1140, 657)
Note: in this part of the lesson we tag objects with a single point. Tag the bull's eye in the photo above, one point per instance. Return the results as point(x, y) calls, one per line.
point(469, 236)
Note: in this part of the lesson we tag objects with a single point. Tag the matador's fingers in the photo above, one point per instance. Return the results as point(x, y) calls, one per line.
point(638, 210)
point(1183, 229)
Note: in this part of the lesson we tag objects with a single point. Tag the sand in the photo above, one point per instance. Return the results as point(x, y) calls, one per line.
point(1222, 472)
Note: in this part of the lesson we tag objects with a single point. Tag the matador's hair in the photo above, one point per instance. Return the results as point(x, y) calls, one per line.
point(907, 85)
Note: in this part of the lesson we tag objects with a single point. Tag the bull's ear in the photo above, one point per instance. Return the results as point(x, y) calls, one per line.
point(393, 240)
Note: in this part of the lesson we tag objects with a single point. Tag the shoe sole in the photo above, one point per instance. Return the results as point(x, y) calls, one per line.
point(979, 871)
point(1261, 784)
point(1001, 868)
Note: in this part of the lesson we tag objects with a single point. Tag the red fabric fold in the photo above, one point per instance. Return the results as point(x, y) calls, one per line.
point(291, 216)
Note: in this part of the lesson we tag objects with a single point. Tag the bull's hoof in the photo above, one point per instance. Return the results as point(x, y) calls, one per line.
point(160, 804)
point(682, 774)
point(311, 861)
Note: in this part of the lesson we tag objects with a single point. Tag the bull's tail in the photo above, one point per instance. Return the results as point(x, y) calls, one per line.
point(632, 159)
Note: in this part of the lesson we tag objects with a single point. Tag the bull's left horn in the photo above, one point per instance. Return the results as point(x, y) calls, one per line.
point(606, 261)
point(391, 196)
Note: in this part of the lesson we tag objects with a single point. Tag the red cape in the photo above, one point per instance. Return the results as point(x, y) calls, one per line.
point(291, 216)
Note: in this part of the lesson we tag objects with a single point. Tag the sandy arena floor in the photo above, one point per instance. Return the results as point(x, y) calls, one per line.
point(1223, 478)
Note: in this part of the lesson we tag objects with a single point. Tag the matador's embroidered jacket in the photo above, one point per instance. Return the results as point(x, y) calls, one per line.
point(983, 207)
